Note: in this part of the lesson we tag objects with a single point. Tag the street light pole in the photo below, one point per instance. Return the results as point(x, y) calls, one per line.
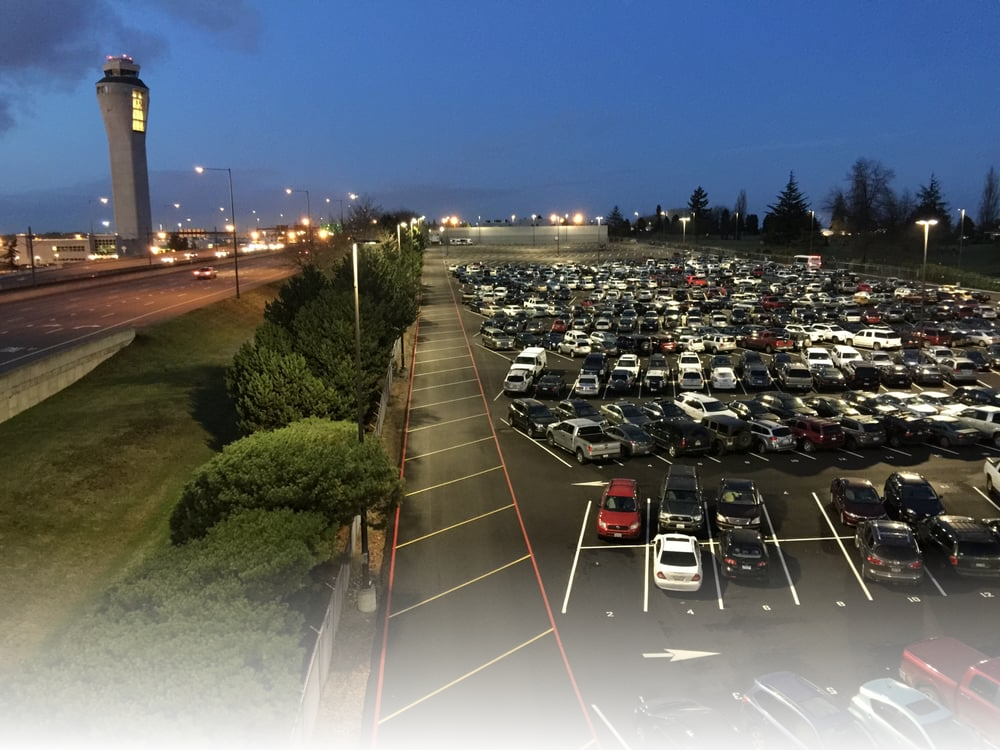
point(232, 208)
point(926, 224)
point(961, 237)
point(308, 221)
point(812, 223)
point(684, 229)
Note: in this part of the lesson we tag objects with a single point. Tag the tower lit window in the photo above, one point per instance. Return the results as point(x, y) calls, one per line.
point(138, 111)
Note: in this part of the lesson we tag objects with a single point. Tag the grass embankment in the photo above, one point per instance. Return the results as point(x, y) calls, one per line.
point(92, 474)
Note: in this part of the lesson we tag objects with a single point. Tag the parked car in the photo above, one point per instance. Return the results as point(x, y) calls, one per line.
point(729, 434)
point(785, 405)
point(619, 514)
point(771, 436)
point(855, 500)
point(530, 416)
point(698, 405)
point(624, 411)
point(862, 431)
point(738, 504)
point(904, 428)
point(785, 710)
point(550, 385)
point(909, 497)
point(743, 554)
point(680, 436)
point(676, 562)
point(664, 409)
point(968, 544)
point(888, 551)
point(681, 508)
point(497, 339)
point(950, 432)
point(633, 439)
point(586, 386)
point(814, 433)
point(683, 724)
point(575, 408)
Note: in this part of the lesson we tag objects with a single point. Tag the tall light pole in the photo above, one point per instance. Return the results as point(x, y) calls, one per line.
point(961, 237)
point(684, 228)
point(812, 223)
point(534, 218)
point(359, 393)
point(308, 221)
point(232, 208)
point(926, 224)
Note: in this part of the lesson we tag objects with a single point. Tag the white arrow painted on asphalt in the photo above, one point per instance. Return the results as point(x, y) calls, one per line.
point(597, 483)
point(674, 654)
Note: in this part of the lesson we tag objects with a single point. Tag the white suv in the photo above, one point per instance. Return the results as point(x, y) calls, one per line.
point(698, 405)
point(877, 338)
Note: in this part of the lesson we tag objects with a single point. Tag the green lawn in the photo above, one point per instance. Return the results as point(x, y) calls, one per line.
point(93, 472)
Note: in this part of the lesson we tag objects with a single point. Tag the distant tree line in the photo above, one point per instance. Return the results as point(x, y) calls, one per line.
point(866, 204)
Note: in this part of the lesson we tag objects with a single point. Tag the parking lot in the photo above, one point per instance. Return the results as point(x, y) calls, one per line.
point(815, 614)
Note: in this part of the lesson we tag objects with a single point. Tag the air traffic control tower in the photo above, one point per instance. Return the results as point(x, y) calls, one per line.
point(124, 102)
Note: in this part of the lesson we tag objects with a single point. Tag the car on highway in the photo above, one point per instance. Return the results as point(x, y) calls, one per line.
point(910, 497)
point(854, 500)
point(619, 513)
point(888, 551)
point(205, 272)
point(738, 504)
point(676, 562)
point(743, 554)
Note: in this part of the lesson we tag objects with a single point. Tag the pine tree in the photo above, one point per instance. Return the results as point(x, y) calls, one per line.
point(790, 216)
point(931, 205)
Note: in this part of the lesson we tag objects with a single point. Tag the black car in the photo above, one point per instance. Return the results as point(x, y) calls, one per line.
point(578, 408)
point(977, 395)
point(680, 436)
point(730, 434)
point(664, 409)
point(738, 504)
point(531, 416)
point(863, 377)
point(632, 439)
point(550, 385)
point(896, 375)
point(750, 409)
point(979, 357)
point(683, 724)
point(904, 428)
point(968, 544)
point(830, 407)
point(909, 497)
point(743, 554)
point(785, 405)
point(926, 373)
point(828, 378)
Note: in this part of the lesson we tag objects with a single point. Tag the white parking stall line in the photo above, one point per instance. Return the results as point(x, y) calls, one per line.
point(711, 551)
point(440, 372)
point(843, 549)
point(805, 455)
point(461, 347)
point(713, 458)
point(576, 556)
point(986, 497)
point(781, 557)
point(896, 450)
point(939, 448)
point(935, 582)
point(762, 458)
point(442, 403)
point(446, 422)
point(604, 719)
point(851, 453)
point(446, 385)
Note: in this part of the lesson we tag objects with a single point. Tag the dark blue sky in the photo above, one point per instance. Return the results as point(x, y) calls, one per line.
point(499, 108)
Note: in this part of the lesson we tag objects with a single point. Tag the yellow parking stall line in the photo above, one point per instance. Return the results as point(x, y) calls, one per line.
point(481, 516)
point(466, 676)
point(439, 485)
point(461, 586)
point(450, 448)
point(450, 421)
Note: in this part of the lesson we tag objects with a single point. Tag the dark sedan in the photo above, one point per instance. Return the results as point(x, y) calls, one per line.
point(926, 373)
point(855, 500)
point(743, 554)
point(634, 440)
point(896, 375)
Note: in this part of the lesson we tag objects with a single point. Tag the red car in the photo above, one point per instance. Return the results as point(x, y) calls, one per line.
point(855, 500)
point(619, 515)
point(769, 341)
point(871, 317)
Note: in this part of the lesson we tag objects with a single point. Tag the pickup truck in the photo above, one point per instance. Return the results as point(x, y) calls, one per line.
point(963, 679)
point(986, 419)
point(991, 470)
point(583, 438)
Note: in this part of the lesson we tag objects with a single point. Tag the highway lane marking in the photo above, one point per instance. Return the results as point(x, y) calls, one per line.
point(466, 676)
point(450, 448)
point(448, 401)
point(449, 421)
point(445, 385)
point(781, 556)
point(843, 549)
point(438, 372)
point(439, 485)
point(480, 517)
point(576, 557)
point(461, 586)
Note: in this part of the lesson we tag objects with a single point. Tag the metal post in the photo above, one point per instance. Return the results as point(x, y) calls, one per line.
point(361, 408)
point(236, 249)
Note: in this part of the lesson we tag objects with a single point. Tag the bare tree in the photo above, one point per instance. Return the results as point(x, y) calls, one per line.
point(869, 195)
point(989, 205)
point(364, 217)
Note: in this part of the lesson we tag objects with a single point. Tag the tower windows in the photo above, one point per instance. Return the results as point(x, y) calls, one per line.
point(138, 111)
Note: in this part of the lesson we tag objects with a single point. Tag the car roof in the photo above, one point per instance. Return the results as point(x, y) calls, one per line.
point(911, 701)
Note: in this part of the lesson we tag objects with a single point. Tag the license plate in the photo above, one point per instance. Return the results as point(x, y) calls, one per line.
point(895, 569)
point(981, 565)
point(745, 567)
point(618, 534)
point(697, 443)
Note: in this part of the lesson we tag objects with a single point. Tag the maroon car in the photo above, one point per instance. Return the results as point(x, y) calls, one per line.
point(855, 500)
point(769, 340)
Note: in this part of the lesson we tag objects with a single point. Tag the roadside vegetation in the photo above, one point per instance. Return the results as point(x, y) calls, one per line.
point(167, 515)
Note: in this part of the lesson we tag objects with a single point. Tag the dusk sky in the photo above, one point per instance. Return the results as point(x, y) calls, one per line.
point(495, 108)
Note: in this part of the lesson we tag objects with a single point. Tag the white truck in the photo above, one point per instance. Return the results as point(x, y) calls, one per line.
point(986, 419)
point(991, 470)
point(584, 438)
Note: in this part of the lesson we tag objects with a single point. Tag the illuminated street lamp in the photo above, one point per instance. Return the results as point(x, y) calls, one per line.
point(926, 224)
point(961, 236)
point(812, 223)
point(308, 219)
point(684, 228)
point(232, 208)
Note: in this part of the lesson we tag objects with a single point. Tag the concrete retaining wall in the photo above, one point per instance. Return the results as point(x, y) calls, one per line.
point(26, 386)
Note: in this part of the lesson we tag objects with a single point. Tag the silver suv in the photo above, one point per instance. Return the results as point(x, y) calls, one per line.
point(771, 437)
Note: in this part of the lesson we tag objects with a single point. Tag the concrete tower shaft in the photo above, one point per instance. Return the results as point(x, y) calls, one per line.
point(124, 102)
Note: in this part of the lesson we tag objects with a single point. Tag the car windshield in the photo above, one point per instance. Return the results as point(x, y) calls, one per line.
point(632, 432)
point(620, 504)
point(682, 500)
point(713, 406)
point(738, 496)
point(864, 495)
point(630, 410)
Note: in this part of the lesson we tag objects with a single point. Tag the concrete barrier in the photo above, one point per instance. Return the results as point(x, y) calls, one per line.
point(26, 386)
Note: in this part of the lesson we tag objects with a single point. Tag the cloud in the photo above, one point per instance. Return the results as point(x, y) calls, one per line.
point(53, 45)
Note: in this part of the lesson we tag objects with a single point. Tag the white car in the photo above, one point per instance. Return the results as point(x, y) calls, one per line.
point(877, 338)
point(830, 332)
point(676, 562)
point(816, 357)
point(912, 402)
point(575, 344)
point(629, 362)
point(690, 380)
point(688, 361)
point(723, 378)
point(841, 354)
point(698, 405)
point(899, 716)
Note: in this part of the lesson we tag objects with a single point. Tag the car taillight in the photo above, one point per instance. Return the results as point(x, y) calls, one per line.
point(729, 561)
point(659, 574)
point(696, 577)
point(762, 563)
point(916, 565)
point(953, 559)
point(684, 442)
point(874, 560)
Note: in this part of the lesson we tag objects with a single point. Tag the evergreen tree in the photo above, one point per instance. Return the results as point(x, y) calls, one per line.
point(931, 205)
point(697, 205)
point(618, 225)
point(790, 216)
point(989, 203)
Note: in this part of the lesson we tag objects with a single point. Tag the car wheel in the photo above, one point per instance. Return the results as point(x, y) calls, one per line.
point(673, 452)
point(945, 442)
point(807, 446)
point(551, 441)
point(580, 458)
point(876, 346)
point(989, 485)
point(996, 440)
point(761, 446)
point(769, 349)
